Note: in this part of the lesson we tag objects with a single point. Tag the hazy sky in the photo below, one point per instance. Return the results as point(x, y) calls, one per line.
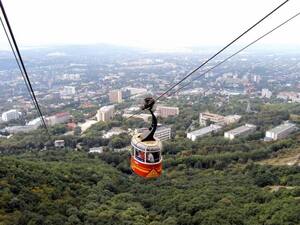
point(146, 23)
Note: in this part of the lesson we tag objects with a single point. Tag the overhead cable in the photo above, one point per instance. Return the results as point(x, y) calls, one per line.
point(242, 49)
point(220, 51)
point(22, 64)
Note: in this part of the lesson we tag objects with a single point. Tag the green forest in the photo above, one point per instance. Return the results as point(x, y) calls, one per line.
point(211, 181)
point(67, 187)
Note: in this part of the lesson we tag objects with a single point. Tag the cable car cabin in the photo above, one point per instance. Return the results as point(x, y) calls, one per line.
point(146, 159)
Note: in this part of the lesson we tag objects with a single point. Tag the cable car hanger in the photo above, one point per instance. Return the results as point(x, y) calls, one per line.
point(149, 103)
point(146, 159)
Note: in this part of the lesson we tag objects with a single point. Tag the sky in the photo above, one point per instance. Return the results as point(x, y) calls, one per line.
point(153, 24)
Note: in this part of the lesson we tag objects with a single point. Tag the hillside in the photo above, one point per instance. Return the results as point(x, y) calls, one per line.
point(287, 158)
point(210, 181)
point(76, 188)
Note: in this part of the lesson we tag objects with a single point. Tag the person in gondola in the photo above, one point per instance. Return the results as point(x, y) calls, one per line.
point(150, 158)
point(141, 155)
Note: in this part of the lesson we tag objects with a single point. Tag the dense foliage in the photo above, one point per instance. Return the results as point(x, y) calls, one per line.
point(210, 181)
point(65, 187)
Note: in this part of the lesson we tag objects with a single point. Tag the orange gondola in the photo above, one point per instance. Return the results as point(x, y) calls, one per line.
point(146, 159)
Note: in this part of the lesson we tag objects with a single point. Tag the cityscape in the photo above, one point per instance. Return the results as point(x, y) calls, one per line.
point(81, 91)
point(233, 132)
point(149, 112)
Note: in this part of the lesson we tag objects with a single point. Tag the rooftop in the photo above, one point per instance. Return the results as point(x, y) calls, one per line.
point(107, 108)
point(62, 114)
point(282, 127)
point(11, 110)
point(205, 130)
point(241, 129)
point(211, 115)
point(167, 107)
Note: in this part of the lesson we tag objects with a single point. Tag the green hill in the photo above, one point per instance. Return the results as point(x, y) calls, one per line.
point(68, 187)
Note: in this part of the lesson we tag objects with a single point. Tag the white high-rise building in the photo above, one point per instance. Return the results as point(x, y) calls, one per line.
point(256, 78)
point(163, 133)
point(165, 111)
point(232, 119)
point(105, 113)
point(68, 91)
point(62, 117)
point(137, 91)
point(265, 93)
point(70, 77)
point(115, 96)
point(37, 122)
point(10, 115)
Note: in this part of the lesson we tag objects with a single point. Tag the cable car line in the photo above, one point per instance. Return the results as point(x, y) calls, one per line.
point(216, 54)
point(23, 66)
point(231, 56)
point(146, 159)
point(223, 49)
point(17, 61)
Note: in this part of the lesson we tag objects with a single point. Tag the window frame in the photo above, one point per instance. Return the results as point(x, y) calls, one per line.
point(146, 151)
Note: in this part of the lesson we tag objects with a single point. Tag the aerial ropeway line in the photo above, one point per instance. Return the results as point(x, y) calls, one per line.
point(216, 54)
point(234, 54)
point(143, 161)
point(17, 61)
point(21, 65)
point(223, 49)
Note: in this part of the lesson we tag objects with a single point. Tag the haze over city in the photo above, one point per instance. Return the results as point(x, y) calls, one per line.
point(153, 24)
